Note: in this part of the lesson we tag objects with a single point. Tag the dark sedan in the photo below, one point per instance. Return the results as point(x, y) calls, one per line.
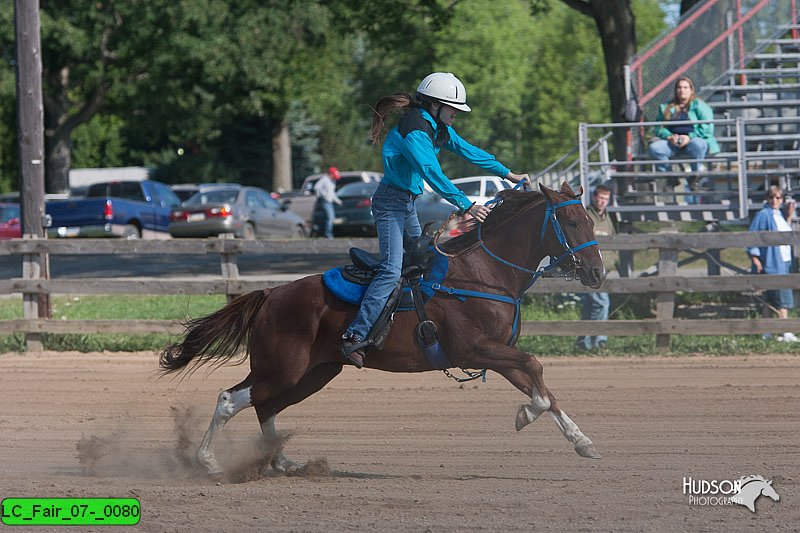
point(247, 212)
point(354, 216)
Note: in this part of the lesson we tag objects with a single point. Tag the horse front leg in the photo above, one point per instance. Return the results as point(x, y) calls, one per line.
point(526, 373)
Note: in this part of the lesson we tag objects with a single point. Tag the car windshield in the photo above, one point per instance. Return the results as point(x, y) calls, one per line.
point(358, 189)
point(221, 196)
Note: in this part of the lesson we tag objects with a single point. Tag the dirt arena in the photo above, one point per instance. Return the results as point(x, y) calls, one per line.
point(398, 452)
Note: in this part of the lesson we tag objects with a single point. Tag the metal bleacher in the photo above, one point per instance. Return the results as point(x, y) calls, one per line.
point(755, 95)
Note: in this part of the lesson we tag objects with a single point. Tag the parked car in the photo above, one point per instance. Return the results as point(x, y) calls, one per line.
point(184, 191)
point(303, 202)
point(126, 209)
point(354, 216)
point(433, 208)
point(347, 177)
point(481, 189)
point(9, 221)
point(246, 212)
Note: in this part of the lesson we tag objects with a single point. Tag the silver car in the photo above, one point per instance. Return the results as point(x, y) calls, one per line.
point(246, 212)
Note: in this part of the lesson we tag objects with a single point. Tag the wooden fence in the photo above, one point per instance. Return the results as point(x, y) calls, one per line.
point(32, 285)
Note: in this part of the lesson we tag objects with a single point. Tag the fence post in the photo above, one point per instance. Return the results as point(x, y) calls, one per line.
point(228, 265)
point(33, 306)
point(665, 301)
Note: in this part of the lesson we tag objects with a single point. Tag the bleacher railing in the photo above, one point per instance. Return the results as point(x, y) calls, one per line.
point(737, 168)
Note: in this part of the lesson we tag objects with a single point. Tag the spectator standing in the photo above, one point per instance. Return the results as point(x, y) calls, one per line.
point(774, 259)
point(693, 141)
point(596, 304)
point(325, 189)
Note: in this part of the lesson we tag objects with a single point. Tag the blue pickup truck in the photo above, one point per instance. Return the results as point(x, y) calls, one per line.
point(125, 209)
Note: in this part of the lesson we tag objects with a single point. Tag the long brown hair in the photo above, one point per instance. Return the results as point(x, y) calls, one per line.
point(385, 106)
point(674, 105)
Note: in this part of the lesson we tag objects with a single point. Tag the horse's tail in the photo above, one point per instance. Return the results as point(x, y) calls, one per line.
point(220, 335)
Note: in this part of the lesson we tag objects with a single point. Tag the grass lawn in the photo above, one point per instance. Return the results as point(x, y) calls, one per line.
point(178, 308)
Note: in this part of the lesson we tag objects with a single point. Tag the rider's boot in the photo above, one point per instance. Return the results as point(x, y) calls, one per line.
point(354, 350)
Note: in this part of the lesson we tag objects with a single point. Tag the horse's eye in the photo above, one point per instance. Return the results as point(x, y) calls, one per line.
point(572, 224)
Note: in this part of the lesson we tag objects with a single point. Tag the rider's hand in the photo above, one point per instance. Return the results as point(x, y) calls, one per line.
point(516, 178)
point(480, 212)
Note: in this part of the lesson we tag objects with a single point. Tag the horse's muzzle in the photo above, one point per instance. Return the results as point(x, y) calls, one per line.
point(593, 277)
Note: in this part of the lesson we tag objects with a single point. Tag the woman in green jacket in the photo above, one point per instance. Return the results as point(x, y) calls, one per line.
point(692, 141)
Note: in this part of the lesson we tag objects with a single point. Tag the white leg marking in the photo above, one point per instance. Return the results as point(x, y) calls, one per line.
point(228, 404)
point(583, 445)
point(528, 413)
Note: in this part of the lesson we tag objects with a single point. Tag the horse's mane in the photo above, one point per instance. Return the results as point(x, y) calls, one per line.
point(511, 205)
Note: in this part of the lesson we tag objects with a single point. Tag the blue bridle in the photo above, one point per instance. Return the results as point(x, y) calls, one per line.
point(550, 219)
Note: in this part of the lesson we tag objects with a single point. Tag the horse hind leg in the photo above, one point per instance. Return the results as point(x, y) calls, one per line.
point(279, 462)
point(312, 382)
point(229, 403)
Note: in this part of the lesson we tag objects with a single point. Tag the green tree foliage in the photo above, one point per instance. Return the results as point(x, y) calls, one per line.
point(198, 88)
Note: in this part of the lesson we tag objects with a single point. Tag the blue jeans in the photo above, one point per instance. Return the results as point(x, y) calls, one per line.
point(397, 224)
point(664, 150)
point(327, 208)
point(595, 307)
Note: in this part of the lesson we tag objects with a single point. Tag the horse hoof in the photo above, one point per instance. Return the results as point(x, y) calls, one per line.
point(215, 476)
point(524, 417)
point(282, 465)
point(588, 450)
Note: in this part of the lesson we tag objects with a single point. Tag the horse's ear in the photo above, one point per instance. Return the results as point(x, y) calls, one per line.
point(548, 193)
point(569, 191)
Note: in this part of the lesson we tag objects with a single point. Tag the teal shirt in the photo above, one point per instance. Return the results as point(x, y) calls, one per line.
point(411, 160)
point(698, 110)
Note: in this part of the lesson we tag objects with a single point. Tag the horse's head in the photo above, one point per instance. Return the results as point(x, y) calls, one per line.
point(568, 234)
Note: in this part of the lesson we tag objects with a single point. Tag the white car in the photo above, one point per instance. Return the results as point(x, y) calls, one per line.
point(480, 189)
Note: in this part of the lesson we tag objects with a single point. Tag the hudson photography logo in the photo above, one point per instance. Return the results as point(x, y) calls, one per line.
point(743, 491)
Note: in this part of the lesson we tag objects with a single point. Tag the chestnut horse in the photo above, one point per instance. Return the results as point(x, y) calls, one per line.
point(293, 332)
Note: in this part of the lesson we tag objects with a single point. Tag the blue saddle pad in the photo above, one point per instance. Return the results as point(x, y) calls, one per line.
point(353, 293)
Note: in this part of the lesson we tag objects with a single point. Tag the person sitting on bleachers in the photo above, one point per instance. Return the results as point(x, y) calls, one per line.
point(691, 141)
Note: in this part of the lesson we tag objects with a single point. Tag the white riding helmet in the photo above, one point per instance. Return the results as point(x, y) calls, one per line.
point(446, 88)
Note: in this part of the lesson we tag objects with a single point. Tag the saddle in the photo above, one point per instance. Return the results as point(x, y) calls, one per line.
point(420, 260)
point(417, 261)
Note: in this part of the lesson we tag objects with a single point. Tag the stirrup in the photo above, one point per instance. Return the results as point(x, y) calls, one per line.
point(355, 352)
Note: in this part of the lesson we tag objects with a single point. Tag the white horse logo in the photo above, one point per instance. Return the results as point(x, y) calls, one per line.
point(751, 488)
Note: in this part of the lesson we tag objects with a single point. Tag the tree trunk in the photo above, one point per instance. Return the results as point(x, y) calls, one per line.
point(281, 157)
point(616, 26)
point(59, 161)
